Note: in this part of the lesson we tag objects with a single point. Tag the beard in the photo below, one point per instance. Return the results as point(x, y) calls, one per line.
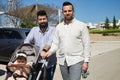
point(68, 17)
point(43, 25)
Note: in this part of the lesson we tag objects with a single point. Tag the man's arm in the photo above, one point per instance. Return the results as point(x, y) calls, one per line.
point(30, 36)
point(43, 52)
point(86, 45)
point(55, 44)
point(48, 44)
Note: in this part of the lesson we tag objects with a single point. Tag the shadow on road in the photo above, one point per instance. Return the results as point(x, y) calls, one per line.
point(2, 72)
point(4, 63)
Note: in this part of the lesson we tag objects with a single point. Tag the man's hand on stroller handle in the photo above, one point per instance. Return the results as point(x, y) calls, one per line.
point(49, 54)
point(45, 54)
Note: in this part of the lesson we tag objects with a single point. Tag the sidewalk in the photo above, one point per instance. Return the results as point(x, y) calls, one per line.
point(105, 66)
point(110, 49)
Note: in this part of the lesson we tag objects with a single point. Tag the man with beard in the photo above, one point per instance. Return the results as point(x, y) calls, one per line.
point(72, 40)
point(42, 37)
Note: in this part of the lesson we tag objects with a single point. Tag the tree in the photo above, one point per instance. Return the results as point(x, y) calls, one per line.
point(15, 5)
point(107, 23)
point(2, 10)
point(53, 16)
point(114, 23)
point(2, 6)
point(27, 15)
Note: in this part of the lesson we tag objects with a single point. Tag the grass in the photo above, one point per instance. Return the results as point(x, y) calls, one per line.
point(108, 32)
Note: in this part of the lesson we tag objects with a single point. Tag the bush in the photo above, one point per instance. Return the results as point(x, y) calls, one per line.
point(105, 31)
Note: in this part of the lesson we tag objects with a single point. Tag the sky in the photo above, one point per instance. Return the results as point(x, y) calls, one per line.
point(93, 11)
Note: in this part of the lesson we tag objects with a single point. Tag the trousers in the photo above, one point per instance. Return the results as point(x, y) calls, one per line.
point(72, 72)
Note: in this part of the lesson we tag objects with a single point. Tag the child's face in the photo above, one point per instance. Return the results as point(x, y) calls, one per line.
point(21, 61)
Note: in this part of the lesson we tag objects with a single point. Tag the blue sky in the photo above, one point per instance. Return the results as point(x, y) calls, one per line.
point(87, 10)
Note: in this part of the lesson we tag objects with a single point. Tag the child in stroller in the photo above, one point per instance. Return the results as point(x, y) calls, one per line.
point(20, 67)
point(30, 68)
point(23, 63)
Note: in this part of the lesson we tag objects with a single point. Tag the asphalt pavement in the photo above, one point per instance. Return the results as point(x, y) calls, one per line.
point(105, 66)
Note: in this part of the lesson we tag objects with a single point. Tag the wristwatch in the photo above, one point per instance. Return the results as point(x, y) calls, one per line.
point(44, 50)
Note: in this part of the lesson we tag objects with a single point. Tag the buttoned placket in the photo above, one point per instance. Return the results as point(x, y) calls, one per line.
point(67, 27)
point(42, 39)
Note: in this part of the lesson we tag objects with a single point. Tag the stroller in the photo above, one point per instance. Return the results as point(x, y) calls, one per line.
point(32, 53)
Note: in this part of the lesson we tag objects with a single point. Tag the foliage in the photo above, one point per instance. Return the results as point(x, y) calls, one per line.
point(105, 31)
point(62, 20)
point(13, 9)
point(114, 23)
point(107, 23)
point(24, 17)
point(27, 25)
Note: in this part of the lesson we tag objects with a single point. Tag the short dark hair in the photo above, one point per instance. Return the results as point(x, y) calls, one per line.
point(66, 3)
point(41, 13)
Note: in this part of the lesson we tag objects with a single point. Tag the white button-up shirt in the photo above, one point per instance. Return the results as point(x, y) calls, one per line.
point(72, 43)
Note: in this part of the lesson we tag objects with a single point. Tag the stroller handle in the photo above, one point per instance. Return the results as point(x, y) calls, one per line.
point(26, 44)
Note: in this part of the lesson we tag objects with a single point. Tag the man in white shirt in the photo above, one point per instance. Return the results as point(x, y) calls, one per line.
point(72, 42)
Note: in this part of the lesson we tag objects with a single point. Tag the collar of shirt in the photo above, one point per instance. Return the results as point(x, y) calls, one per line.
point(70, 21)
point(45, 30)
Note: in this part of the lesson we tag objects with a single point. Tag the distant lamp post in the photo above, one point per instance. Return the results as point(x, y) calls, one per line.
point(59, 14)
point(36, 8)
point(36, 5)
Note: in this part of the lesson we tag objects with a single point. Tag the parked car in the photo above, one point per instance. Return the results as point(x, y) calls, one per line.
point(10, 39)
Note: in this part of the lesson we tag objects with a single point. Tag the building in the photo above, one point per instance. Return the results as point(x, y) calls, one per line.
point(90, 25)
